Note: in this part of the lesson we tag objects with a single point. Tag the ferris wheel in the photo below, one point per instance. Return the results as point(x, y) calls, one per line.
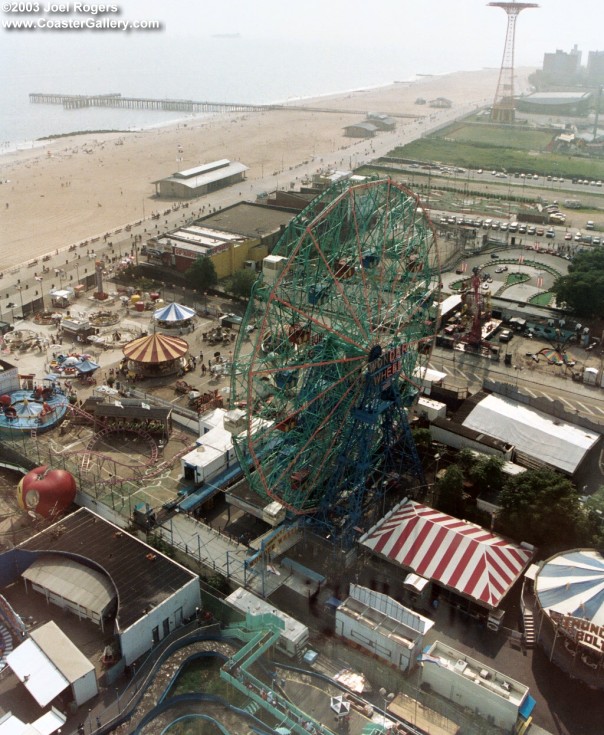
point(331, 353)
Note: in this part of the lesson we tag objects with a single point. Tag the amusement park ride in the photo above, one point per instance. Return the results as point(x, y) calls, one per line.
point(476, 308)
point(345, 329)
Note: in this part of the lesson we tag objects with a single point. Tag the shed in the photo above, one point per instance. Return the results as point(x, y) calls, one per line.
point(195, 182)
point(294, 637)
point(48, 663)
point(382, 626)
point(360, 130)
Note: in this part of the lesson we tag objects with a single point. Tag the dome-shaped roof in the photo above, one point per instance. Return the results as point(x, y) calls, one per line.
point(156, 348)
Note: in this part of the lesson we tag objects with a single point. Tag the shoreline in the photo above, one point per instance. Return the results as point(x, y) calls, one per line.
point(9, 146)
point(72, 187)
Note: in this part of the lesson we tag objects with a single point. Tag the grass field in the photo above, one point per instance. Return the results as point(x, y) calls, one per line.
point(485, 135)
point(490, 147)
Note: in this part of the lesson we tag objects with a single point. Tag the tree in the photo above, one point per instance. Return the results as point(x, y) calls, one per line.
point(422, 439)
point(202, 274)
point(449, 491)
point(543, 508)
point(242, 282)
point(486, 473)
point(582, 289)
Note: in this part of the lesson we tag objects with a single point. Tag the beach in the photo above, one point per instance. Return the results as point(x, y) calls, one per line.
point(82, 186)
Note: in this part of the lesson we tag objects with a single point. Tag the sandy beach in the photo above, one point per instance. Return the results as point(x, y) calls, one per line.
point(82, 186)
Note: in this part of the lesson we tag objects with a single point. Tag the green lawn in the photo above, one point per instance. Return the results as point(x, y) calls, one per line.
point(490, 147)
point(542, 299)
point(514, 278)
point(491, 136)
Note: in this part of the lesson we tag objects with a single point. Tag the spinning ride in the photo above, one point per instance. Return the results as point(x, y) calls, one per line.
point(345, 326)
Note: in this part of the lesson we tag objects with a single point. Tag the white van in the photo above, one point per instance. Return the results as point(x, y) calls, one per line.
point(589, 225)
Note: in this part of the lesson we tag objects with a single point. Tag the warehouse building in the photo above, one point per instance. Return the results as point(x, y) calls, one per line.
point(539, 440)
point(91, 567)
point(195, 182)
point(236, 237)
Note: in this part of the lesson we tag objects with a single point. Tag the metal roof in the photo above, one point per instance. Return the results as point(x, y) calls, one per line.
point(554, 442)
point(142, 576)
point(203, 179)
point(64, 654)
point(72, 581)
point(36, 672)
point(202, 169)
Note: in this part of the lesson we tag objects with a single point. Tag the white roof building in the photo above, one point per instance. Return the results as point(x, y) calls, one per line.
point(546, 439)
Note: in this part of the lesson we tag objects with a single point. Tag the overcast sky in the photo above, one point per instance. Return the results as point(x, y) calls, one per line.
point(468, 28)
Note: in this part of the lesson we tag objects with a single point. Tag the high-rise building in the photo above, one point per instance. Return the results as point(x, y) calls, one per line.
point(595, 67)
point(562, 67)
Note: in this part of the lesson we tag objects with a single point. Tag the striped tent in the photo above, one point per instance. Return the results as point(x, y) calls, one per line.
point(156, 348)
point(453, 553)
point(173, 313)
point(572, 583)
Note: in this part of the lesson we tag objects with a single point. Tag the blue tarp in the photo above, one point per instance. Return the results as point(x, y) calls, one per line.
point(527, 707)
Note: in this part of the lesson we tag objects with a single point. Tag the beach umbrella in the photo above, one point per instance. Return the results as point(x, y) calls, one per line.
point(156, 348)
point(173, 313)
point(86, 366)
point(339, 705)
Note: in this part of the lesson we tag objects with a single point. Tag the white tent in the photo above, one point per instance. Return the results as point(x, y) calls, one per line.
point(557, 443)
point(173, 313)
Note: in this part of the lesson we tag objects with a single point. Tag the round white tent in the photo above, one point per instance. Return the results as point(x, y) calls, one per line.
point(173, 313)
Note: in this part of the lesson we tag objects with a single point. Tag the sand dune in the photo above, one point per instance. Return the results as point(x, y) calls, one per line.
point(82, 186)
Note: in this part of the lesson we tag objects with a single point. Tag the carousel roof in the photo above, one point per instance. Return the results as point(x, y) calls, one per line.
point(156, 348)
point(573, 584)
point(173, 313)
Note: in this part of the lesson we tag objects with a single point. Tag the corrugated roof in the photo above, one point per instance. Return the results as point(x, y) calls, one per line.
point(72, 581)
point(215, 174)
point(142, 576)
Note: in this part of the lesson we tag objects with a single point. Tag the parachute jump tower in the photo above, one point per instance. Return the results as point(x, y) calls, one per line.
point(503, 105)
point(344, 333)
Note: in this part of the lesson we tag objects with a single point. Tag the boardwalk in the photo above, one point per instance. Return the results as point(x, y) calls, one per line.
point(115, 100)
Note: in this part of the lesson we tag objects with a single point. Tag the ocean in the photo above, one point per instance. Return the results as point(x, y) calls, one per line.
point(214, 69)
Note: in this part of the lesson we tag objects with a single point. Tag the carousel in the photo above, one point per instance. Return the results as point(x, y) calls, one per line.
point(174, 317)
point(38, 409)
point(569, 595)
point(155, 356)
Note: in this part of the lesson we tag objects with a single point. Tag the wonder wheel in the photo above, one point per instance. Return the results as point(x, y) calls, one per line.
point(330, 355)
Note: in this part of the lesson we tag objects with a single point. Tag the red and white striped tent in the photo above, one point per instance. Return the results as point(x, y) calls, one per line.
point(455, 554)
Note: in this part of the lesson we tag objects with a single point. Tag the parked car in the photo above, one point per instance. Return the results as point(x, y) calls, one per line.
point(506, 335)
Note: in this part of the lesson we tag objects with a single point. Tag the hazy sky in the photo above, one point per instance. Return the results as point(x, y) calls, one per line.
point(445, 25)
